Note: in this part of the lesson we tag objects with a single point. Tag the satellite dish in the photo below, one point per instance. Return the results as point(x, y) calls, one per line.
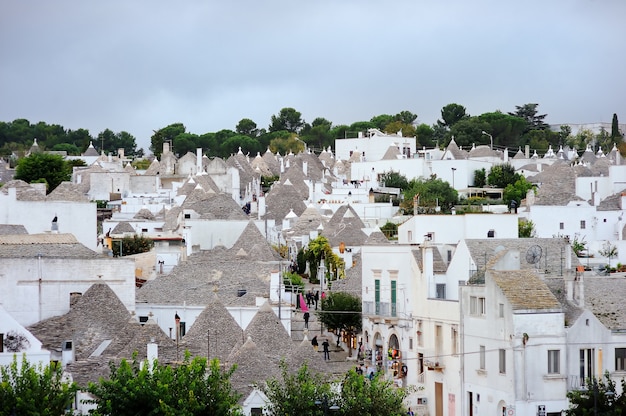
point(533, 255)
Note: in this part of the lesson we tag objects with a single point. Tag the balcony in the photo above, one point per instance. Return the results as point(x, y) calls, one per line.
point(382, 309)
point(435, 364)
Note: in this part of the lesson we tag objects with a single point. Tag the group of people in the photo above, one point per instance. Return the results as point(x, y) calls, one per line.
point(325, 347)
point(312, 298)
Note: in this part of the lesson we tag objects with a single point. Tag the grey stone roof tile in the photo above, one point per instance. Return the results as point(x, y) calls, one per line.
point(524, 290)
point(97, 316)
point(553, 252)
point(281, 199)
point(12, 229)
point(376, 238)
point(47, 245)
point(269, 334)
point(123, 228)
point(215, 332)
point(67, 191)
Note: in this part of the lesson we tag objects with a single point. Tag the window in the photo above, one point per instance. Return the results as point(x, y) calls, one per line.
point(482, 357)
point(587, 365)
point(377, 295)
point(393, 297)
point(620, 359)
point(187, 216)
point(477, 306)
point(582, 224)
point(420, 334)
point(144, 230)
point(482, 308)
point(441, 290)
point(501, 310)
point(561, 226)
point(502, 360)
point(449, 256)
point(491, 233)
point(454, 335)
point(410, 343)
point(410, 235)
point(554, 361)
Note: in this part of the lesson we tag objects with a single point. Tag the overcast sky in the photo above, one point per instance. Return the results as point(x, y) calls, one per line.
point(140, 65)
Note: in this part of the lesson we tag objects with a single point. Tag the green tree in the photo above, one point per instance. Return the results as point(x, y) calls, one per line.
point(581, 139)
point(341, 311)
point(132, 245)
point(502, 175)
point(480, 178)
point(529, 113)
point(394, 179)
point(247, 127)
point(469, 131)
point(616, 135)
point(318, 133)
point(525, 228)
point(296, 393)
point(381, 121)
point(599, 397)
point(451, 114)
point(408, 130)
point(390, 229)
point(43, 167)
point(424, 134)
point(506, 129)
point(370, 397)
point(165, 134)
point(287, 119)
point(285, 142)
point(69, 148)
point(604, 141)
point(430, 194)
point(155, 389)
point(319, 249)
point(565, 132)
point(517, 190)
point(26, 389)
point(406, 117)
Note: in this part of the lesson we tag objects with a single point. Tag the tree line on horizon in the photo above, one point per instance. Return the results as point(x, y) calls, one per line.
point(288, 131)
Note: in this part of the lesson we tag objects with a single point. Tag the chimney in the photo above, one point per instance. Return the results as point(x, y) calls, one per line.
point(428, 269)
point(527, 151)
point(152, 351)
point(67, 352)
point(305, 166)
point(198, 160)
point(581, 292)
point(74, 297)
point(166, 147)
point(120, 153)
point(569, 289)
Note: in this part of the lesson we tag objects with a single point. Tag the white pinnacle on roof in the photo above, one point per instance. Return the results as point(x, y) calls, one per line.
point(291, 214)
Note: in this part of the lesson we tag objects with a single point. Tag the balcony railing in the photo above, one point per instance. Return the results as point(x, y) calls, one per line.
point(379, 308)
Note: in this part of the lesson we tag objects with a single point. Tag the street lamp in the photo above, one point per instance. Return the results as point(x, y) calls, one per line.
point(326, 406)
point(453, 170)
point(490, 138)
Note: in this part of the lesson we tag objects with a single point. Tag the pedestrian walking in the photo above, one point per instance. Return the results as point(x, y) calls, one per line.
point(314, 343)
point(326, 345)
point(306, 320)
point(317, 298)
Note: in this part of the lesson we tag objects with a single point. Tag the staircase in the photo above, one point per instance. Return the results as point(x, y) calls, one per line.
point(338, 362)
